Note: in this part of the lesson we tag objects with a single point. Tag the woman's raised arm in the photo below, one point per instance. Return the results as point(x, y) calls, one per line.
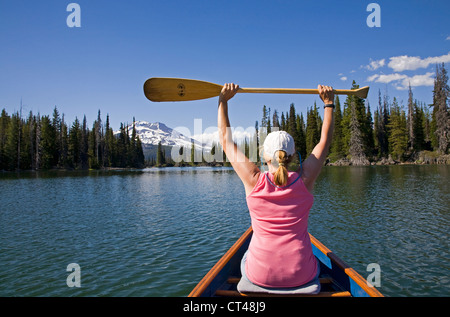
point(313, 164)
point(247, 171)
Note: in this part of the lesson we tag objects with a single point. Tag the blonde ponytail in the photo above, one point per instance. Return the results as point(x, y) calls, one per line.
point(281, 175)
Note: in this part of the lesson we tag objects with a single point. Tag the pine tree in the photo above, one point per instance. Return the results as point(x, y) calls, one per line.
point(275, 120)
point(132, 153)
point(29, 133)
point(410, 120)
point(319, 121)
point(292, 123)
point(26, 143)
point(247, 148)
point(192, 153)
point(159, 155)
point(300, 144)
point(256, 142)
point(381, 133)
point(265, 124)
point(63, 137)
point(345, 126)
point(398, 134)
point(75, 143)
point(12, 142)
point(4, 123)
point(92, 157)
point(38, 145)
point(441, 117)
point(418, 128)
point(48, 144)
point(98, 140)
point(337, 147)
point(426, 126)
point(19, 145)
point(283, 122)
point(109, 144)
point(265, 118)
point(56, 124)
point(356, 142)
point(84, 144)
point(368, 133)
point(312, 131)
point(140, 158)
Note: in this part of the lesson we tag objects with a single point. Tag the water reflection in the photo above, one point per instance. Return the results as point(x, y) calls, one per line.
point(396, 216)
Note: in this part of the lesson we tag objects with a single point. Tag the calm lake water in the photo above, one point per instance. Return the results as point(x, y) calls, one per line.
point(157, 232)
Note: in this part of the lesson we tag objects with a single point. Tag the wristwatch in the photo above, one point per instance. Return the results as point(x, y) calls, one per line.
point(331, 105)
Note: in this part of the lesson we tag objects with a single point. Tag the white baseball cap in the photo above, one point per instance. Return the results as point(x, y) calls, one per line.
point(279, 140)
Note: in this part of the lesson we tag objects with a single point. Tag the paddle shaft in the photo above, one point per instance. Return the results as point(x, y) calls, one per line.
point(292, 91)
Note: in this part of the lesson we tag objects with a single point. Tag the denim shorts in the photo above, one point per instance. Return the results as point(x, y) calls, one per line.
point(245, 285)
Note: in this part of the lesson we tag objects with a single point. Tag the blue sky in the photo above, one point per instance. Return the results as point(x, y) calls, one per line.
point(284, 44)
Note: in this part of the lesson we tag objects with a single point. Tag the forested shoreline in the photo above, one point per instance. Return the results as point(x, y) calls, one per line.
point(416, 133)
point(44, 142)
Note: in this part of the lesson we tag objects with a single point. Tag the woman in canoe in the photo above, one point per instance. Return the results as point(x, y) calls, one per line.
point(279, 258)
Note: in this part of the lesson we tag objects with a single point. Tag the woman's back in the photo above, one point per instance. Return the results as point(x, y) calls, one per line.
point(280, 252)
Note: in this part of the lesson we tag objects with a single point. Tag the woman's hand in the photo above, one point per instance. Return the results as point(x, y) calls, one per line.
point(326, 93)
point(228, 92)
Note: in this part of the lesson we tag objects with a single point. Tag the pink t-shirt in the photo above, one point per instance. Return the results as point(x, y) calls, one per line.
point(280, 252)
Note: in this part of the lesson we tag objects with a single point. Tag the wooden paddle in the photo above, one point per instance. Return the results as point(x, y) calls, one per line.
point(178, 89)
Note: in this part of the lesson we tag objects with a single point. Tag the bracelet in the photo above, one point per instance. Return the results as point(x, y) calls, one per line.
point(329, 106)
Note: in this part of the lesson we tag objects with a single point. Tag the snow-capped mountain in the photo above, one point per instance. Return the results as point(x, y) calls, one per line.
point(153, 133)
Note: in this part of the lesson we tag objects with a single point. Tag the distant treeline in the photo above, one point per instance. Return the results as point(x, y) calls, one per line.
point(393, 132)
point(43, 142)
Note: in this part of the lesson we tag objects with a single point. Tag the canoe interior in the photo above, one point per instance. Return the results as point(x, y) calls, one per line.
point(337, 278)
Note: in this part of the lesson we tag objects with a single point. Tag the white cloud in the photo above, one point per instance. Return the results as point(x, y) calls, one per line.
point(448, 38)
point(385, 79)
point(373, 77)
point(405, 62)
point(343, 78)
point(419, 80)
point(373, 65)
point(401, 81)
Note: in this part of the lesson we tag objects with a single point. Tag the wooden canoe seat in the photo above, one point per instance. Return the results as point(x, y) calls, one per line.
point(326, 283)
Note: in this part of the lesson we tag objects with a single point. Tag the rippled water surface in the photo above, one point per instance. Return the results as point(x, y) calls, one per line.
point(156, 232)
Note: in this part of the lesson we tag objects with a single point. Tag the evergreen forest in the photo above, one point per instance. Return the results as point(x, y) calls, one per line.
point(43, 142)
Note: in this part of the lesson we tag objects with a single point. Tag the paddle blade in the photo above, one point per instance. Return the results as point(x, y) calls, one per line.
point(178, 89)
point(362, 92)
